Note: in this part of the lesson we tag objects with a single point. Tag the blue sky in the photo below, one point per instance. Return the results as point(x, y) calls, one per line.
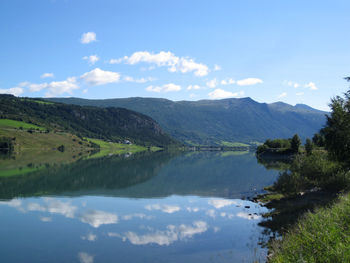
point(291, 51)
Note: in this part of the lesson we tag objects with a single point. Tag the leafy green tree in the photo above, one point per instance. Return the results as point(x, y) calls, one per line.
point(318, 139)
point(337, 129)
point(295, 143)
point(308, 146)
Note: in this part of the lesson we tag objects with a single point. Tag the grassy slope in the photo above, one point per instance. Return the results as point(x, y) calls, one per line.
point(323, 236)
point(7, 123)
point(107, 148)
point(113, 124)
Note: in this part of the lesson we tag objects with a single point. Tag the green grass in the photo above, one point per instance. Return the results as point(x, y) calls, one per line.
point(322, 236)
point(19, 171)
point(17, 124)
point(233, 153)
point(233, 144)
point(155, 149)
point(107, 148)
point(39, 101)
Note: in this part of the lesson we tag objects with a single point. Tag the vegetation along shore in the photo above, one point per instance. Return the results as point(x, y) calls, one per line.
point(310, 201)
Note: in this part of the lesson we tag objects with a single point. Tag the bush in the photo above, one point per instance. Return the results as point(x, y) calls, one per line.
point(61, 148)
point(310, 171)
point(278, 143)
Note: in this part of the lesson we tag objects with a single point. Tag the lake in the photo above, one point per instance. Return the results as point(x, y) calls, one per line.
point(148, 207)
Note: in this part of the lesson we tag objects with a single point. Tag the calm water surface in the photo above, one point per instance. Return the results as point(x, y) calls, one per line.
point(160, 207)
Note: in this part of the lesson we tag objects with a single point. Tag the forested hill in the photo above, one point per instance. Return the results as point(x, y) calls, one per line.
point(109, 123)
point(210, 122)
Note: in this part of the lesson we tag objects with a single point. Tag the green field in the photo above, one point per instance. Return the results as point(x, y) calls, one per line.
point(107, 148)
point(18, 124)
point(234, 144)
point(39, 101)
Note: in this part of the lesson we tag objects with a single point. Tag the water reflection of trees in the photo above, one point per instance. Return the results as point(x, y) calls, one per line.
point(145, 176)
point(114, 172)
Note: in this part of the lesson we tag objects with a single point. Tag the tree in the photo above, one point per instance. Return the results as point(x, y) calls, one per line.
point(295, 143)
point(337, 129)
point(318, 139)
point(308, 146)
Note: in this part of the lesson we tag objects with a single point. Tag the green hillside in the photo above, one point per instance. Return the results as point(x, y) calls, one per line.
point(209, 122)
point(111, 124)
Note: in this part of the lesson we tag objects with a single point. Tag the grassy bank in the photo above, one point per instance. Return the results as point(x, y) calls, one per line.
point(107, 148)
point(322, 236)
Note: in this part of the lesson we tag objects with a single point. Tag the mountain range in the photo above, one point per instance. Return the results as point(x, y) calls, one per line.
point(220, 122)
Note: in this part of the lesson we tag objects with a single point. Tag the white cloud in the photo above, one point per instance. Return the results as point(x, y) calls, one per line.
point(136, 215)
point(88, 37)
point(166, 59)
point(50, 205)
point(228, 81)
point(192, 209)
point(164, 208)
point(165, 88)
point(46, 219)
point(166, 237)
point(97, 218)
point(220, 203)
point(14, 91)
point(59, 207)
point(212, 83)
point(85, 257)
point(115, 61)
point(228, 215)
point(293, 84)
point(89, 237)
point(217, 67)
point(211, 213)
point(311, 85)
point(196, 228)
point(282, 95)
point(222, 94)
point(37, 87)
point(47, 75)
point(15, 203)
point(36, 207)
point(248, 216)
point(59, 87)
point(299, 93)
point(100, 77)
point(141, 80)
point(216, 229)
point(92, 59)
point(160, 238)
point(55, 88)
point(193, 87)
point(249, 81)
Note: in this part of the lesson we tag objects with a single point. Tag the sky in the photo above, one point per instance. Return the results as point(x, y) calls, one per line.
point(269, 50)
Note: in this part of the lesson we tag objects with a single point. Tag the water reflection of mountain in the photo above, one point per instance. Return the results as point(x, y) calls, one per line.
point(85, 176)
point(146, 175)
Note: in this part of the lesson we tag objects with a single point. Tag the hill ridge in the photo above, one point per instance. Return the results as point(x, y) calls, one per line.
point(210, 122)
